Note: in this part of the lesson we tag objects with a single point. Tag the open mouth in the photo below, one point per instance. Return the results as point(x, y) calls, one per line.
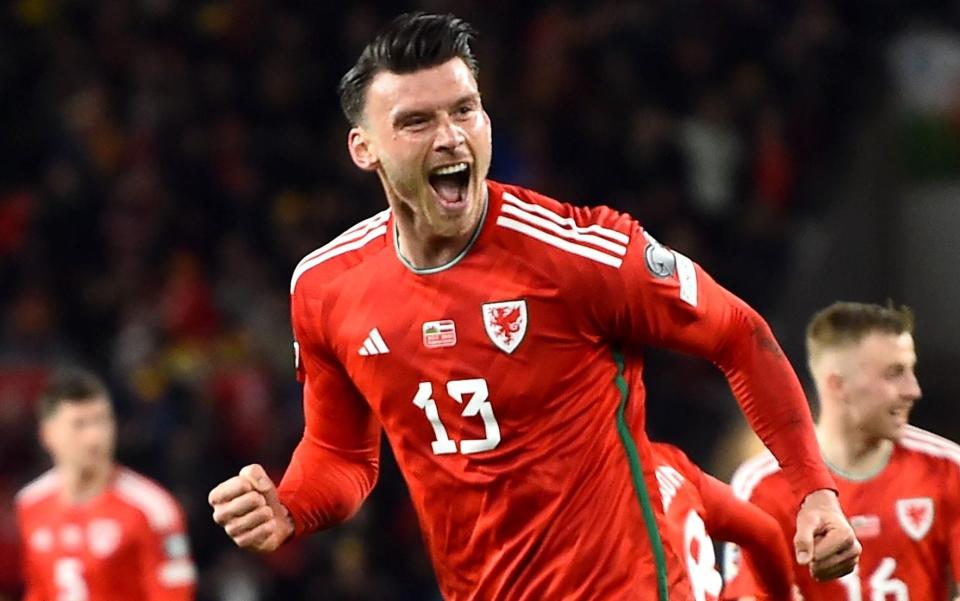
point(450, 183)
point(900, 413)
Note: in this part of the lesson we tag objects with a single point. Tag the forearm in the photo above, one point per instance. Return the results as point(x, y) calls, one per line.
point(769, 554)
point(772, 399)
point(756, 532)
point(322, 488)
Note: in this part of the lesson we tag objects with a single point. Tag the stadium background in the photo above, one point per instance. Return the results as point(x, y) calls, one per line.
point(164, 165)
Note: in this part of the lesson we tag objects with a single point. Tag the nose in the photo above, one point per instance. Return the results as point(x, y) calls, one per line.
point(912, 388)
point(449, 136)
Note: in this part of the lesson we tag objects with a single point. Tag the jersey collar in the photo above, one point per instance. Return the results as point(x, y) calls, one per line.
point(862, 477)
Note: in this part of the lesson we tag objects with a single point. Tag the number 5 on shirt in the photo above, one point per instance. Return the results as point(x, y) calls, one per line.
point(68, 575)
point(478, 403)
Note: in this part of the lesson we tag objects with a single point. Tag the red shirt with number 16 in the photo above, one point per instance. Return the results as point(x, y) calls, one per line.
point(907, 517)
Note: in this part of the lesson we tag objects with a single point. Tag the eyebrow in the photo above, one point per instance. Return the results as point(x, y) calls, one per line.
point(406, 114)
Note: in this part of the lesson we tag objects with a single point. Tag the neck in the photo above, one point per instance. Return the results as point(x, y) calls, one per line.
point(850, 451)
point(82, 485)
point(424, 250)
point(421, 247)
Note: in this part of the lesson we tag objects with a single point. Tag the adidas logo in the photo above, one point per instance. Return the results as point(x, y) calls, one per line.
point(373, 344)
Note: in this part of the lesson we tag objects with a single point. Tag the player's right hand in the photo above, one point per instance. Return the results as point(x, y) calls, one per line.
point(825, 540)
point(249, 510)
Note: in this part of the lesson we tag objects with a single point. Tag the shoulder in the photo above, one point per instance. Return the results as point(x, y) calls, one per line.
point(152, 501)
point(760, 470)
point(39, 489)
point(342, 253)
point(666, 460)
point(598, 234)
point(670, 455)
point(664, 452)
point(931, 447)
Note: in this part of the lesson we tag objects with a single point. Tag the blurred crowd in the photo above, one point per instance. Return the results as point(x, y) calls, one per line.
point(166, 163)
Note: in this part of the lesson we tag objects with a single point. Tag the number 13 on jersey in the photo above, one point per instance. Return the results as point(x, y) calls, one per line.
point(477, 404)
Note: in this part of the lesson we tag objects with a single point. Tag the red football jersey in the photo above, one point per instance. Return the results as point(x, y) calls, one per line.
point(699, 507)
point(907, 518)
point(508, 383)
point(685, 527)
point(126, 544)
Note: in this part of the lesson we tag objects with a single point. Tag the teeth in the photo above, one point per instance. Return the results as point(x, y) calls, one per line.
point(451, 169)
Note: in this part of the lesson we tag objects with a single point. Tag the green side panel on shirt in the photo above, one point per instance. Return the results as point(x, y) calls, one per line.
point(639, 484)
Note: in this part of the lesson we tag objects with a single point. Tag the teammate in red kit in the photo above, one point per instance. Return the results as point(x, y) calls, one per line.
point(899, 484)
point(90, 529)
point(495, 335)
point(697, 507)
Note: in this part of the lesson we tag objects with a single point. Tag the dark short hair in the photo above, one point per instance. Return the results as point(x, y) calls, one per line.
point(411, 42)
point(845, 323)
point(70, 385)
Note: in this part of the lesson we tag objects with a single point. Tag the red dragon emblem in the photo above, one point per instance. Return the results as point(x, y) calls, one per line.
point(506, 323)
point(915, 516)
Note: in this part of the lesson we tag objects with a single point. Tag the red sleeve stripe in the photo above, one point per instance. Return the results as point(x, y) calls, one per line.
point(356, 237)
point(751, 473)
point(155, 503)
point(927, 443)
point(567, 222)
point(37, 489)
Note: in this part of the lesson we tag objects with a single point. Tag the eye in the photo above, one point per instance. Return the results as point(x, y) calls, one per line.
point(895, 371)
point(465, 110)
point(415, 122)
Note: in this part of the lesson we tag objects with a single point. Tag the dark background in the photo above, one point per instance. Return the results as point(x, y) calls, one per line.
point(165, 164)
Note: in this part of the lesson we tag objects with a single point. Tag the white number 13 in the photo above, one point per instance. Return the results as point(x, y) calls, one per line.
point(478, 403)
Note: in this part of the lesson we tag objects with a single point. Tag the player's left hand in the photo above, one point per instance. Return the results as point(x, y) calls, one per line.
point(825, 540)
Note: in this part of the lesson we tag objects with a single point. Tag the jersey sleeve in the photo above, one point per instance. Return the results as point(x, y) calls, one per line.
point(166, 566)
point(32, 579)
point(738, 578)
point(742, 569)
point(754, 531)
point(659, 297)
point(336, 463)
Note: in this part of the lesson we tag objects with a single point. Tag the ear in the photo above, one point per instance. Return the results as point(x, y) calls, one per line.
point(836, 386)
point(361, 150)
point(44, 434)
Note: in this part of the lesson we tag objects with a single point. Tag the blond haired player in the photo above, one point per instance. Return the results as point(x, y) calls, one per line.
point(899, 485)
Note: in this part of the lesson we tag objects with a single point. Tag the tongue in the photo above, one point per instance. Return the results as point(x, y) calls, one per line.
point(447, 188)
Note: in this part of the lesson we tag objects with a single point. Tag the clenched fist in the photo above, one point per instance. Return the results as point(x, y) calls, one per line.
point(249, 510)
point(825, 540)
